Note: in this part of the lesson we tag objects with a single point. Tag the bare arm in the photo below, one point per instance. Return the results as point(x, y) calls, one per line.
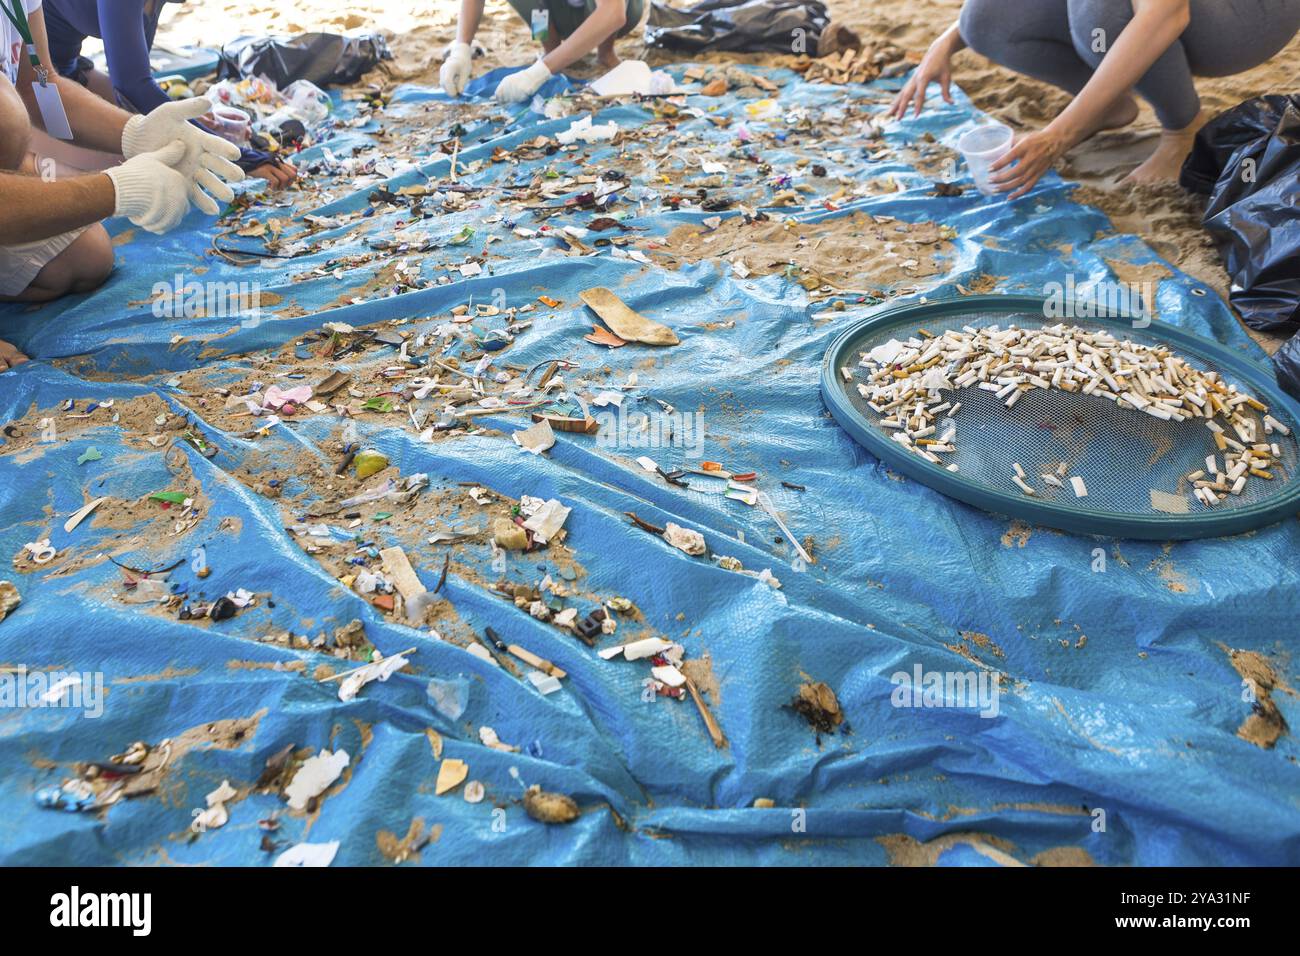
point(96, 123)
point(608, 18)
point(471, 12)
point(1156, 24)
point(35, 209)
point(935, 66)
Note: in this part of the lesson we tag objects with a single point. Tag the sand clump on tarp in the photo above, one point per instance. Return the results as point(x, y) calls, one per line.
point(856, 252)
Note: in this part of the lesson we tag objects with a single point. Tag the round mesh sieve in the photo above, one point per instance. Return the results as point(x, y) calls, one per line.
point(1134, 465)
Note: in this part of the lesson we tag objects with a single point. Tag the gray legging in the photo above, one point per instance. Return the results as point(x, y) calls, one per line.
point(1052, 40)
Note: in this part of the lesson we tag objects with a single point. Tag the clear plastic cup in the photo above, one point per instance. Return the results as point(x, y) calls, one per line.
point(981, 147)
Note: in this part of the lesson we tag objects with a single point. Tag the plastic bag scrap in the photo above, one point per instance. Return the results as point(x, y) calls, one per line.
point(1248, 161)
point(323, 58)
point(736, 25)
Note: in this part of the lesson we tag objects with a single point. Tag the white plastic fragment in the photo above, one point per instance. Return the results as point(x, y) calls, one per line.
point(309, 854)
point(545, 683)
point(648, 647)
point(583, 130)
point(315, 776)
point(667, 674)
point(379, 670)
point(545, 522)
point(1080, 489)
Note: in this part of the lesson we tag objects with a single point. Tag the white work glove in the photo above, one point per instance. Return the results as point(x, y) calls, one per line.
point(208, 159)
point(149, 190)
point(518, 87)
point(455, 69)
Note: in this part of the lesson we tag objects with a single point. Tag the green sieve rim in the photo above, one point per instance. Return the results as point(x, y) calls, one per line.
point(1026, 309)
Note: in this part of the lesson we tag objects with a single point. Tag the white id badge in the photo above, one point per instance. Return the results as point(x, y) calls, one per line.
point(541, 24)
point(51, 107)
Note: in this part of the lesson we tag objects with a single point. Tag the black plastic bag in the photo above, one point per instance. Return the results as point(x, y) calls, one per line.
point(752, 25)
point(1286, 363)
point(1248, 160)
point(325, 59)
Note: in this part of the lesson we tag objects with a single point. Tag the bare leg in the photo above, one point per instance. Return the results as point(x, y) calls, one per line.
point(82, 267)
point(1166, 162)
point(1119, 114)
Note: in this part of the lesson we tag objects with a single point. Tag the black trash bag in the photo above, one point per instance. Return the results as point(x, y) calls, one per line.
point(750, 25)
point(325, 59)
point(1286, 363)
point(1248, 161)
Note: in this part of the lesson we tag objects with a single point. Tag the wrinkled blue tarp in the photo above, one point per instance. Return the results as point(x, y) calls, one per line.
point(1139, 723)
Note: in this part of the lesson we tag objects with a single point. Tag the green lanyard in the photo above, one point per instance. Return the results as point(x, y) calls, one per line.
point(18, 17)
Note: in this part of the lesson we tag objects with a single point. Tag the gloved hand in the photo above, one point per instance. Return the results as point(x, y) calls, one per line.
point(518, 87)
point(455, 69)
point(208, 159)
point(149, 190)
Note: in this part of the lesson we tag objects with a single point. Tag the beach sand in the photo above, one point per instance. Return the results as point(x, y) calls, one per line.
point(1166, 217)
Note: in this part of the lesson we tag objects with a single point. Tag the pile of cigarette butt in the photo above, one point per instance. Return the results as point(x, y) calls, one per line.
point(904, 380)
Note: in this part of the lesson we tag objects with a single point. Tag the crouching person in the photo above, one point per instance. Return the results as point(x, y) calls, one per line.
point(567, 29)
point(51, 242)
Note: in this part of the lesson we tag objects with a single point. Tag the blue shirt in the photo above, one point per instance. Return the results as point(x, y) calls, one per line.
point(127, 28)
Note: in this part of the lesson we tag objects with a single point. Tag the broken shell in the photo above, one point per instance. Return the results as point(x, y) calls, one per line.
point(451, 774)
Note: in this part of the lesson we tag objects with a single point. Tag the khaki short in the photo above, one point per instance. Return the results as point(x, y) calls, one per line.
point(567, 16)
point(20, 264)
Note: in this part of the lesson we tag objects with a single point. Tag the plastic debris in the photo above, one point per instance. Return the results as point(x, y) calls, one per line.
point(41, 552)
point(379, 670)
point(538, 438)
point(546, 519)
point(634, 77)
point(449, 697)
point(80, 514)
point(583, 131)
point(309, 854)
point(315, 776)
point(215, 815)
point(368, 463)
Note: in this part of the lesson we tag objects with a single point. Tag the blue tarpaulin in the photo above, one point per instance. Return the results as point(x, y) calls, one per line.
point(1115, 737)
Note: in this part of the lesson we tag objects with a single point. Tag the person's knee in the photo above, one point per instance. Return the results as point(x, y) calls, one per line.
point(982, 25)
point(1095, 25)
point(82, 267)
point(94, 260)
